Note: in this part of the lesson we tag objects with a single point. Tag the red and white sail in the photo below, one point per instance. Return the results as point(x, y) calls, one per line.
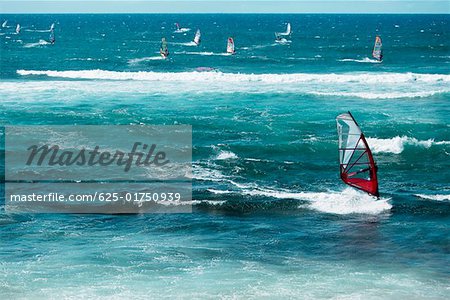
point(357, 166)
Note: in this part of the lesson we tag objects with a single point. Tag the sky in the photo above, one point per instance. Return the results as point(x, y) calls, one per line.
point(226, 6)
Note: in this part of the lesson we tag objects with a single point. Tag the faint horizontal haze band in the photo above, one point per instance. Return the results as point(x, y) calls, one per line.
point(435, 7)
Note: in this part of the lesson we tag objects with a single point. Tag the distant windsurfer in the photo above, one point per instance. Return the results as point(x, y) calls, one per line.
point(181, 29)
point(230, 46)
point(281, 36)
point(197, 38)
point(164, 50)
point(377, 52)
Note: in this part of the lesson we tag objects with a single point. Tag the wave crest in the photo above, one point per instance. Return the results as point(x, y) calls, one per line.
point(397, 144)
point(349, 201)
point(223, 155)
point(437, 197)
point(389, 95)
point(368, 78)
point(364, 60)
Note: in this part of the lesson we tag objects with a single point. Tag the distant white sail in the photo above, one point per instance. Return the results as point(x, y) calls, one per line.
point(287, 32)
point(5, 24)
point(288, 29)
point(52, 26)
point(197, 38)
point(18, 29)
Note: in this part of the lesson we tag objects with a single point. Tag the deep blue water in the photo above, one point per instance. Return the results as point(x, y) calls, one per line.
point(270, 214)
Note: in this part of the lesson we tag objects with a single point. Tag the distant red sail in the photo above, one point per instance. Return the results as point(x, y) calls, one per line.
point(357, 166)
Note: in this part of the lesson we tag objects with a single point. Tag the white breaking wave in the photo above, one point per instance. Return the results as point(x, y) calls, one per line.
point(349, 201)
point(210, 202)
point(437, 197)
point(189, 44)
point(223, 155)
point(38, 30)
point(388, 95)
point(364, 60)
point(38, 44)
point(143, 59)
point(86, 59)
point(208, 174)
point(203, 53)
point(366, 78)
point(397, 144)
point(167, 87)
point(182, 30)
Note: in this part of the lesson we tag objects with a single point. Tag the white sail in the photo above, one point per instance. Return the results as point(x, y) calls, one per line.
point(52, 26)
point(197, 38)
point(288, 29)
point(287, 32)
point(4, 24)
point(349, 135)
point(18, 29)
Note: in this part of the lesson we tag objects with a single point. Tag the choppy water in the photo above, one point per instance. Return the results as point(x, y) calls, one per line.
point(271, 216)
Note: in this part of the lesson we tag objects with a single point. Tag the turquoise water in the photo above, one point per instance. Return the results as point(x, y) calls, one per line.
point(271, 217)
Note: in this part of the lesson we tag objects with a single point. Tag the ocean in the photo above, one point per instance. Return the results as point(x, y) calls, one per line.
point(271, 217)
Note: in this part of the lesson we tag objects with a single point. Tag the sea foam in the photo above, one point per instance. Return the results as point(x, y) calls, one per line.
point(381, 95)
point(397, 144)
point(368, 78)
point(223, 155)
point(437, 197)
point(348, 201)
